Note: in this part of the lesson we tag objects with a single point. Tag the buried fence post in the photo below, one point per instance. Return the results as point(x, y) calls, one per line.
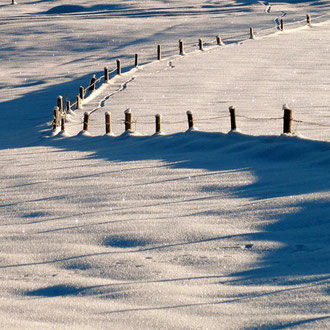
point(281, 25)
point(200, 44)
point(118, 67)
point(106, 74)
point(232, 111)
point(159, 52)
point(190, 120)
point(158, 123)
point(86, 122)
point(68, 106)
point(82, 93)
point(78, 101)
point(63, 123)
point(56, 116)
point(136, 60)
point(251, 33)
point(181, 47)
point(60, 103)
point(219, 41)
point(287, 119)
point(128, 120)
point(309, 20)
point(92, 85)
point(107, 123)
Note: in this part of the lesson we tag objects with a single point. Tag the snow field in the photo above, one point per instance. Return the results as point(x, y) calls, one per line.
point(190, 230)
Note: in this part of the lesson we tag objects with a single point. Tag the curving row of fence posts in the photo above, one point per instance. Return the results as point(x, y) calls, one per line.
point(60, 111)
point(128, 121)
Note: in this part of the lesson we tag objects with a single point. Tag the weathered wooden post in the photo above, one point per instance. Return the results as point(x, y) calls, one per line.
point(136, 60)
point(309, 20)
point(108, 123)
point(158, 123)
point(287, 119)
point(190, 120)
point(60, 103)
point(92, 85)
point(219, 41)
point(200, 44)
point(78, 102)
point(86, 122)
point(251, 33)
point(232, 111)
point(82, 93)
point(281, 25)
point(159, 52)
point(118, 67)
point(63, 123)
point(128, 120)
point(68, 106)
point(106, 74)
point(56, 116)
point(181, 47)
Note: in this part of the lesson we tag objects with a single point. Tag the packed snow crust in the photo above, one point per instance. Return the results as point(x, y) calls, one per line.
point(190, 229)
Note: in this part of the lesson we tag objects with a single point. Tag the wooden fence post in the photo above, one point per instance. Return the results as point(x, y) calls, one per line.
point(200, 44)
point(159, 52)
point(63, 124)
point(108, 123)
point(309, 20)
point(78, 101)
point(118, 67)
point(68, 106)
point(60, 103)
point(181, 47)
point(106, 74)
point(86, 122)
point(158, 123)
point(128, 120)
point(251, 33)
point(190, 120)
point(287, 119)
point(56, 116)
point(232, 111)
point(136, 60)
point(92, 85)
point(282, 25)
point(82, 93)
point(219, 41)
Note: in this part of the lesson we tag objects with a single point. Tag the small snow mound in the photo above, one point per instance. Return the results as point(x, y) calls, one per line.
point(236, 131)
point(130, 133)
point(192, 129)
point(296, 134)
point(159, 134)
point(63, 134)
point(55, 131)
point(84, 133)
point(110, 134)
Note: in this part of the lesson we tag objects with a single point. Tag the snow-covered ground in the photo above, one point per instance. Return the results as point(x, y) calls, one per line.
point(187, 230)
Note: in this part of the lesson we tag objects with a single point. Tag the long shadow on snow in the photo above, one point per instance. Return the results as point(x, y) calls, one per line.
point(27, 118)
point(116, 10)
point(282, 166)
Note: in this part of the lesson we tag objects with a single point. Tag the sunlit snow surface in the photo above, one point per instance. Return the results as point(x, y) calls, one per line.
point(186, 230)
